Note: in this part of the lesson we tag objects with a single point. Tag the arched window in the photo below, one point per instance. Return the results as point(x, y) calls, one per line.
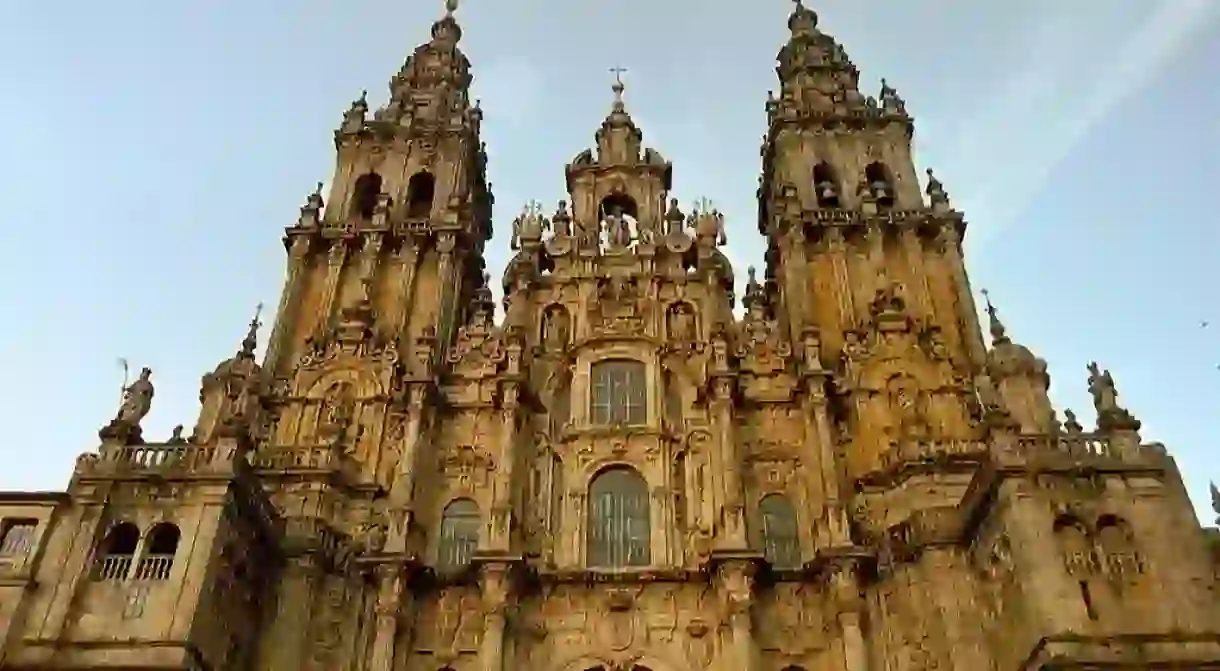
point(159, 550)
point(619, 533)
point(116, 552)
point(620, 203)
point(619, 395)
point(364, 196)
point(827, 185)
point(882, 186)
point(777, 527)
point(421, 190)
point(459, 534)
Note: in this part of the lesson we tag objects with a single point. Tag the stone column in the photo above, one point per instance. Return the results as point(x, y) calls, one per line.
point(849, 604)
point(391, 588)
point(287, 313)
point(836, 248)
point(286, 646)
point(409, 256)
point(494, 580)
point(447, 288)
point(502, 491)
point(967, 311)
point(402, 489)
point(334, 268)
point(912, 248)
point(737, 592)
point(796, 291)
point(726, 443)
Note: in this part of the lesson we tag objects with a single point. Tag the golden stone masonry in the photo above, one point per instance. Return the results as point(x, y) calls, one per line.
point(620, 475)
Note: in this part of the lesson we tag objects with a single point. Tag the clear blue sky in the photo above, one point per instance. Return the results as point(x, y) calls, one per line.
point(153, 151)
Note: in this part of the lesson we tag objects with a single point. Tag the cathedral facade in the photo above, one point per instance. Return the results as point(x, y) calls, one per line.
point(620, 473)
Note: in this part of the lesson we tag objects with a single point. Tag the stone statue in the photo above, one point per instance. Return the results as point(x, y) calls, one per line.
point(618, 230)
point(555, 328)
point(1101, 386)
point(681, 323)
point(137, 400)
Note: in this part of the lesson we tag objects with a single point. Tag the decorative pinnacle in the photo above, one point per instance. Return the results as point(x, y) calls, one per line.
point(618, 86)
point(450, 7)
point(1215, 500)
point(996, 327)
point(250, 342)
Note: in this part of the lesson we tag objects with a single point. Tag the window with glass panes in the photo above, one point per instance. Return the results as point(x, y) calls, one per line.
point(618, 395)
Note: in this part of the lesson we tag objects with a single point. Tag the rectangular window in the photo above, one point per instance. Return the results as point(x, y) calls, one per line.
point(619, 394)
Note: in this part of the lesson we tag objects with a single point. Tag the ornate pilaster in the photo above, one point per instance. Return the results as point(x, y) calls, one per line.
point(389, 607)
point(836, 248)
point(287, 645)
point(502, 513)
point(819, 443)
point(408, 256)
point(967, 312)
point(446, 290)
point(732, 513)
point(735, 579)
point(402, 488)
point(495, 584)
point(287, 312)
point(334, 270)
point(912, 249)
point(795, 287)
point(844, 583)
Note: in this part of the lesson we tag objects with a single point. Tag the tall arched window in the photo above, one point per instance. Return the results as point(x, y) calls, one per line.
point(459, 534)
point(364, 195)
point(159, 550)
point(421, 190)
point(778, 529)
point(116, 552)
point(619, 533)
point(619, 395)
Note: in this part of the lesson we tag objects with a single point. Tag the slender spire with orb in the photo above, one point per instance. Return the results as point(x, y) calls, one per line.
point(618, 86)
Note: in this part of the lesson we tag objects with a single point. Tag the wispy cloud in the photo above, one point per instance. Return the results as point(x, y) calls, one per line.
point(1081, 98)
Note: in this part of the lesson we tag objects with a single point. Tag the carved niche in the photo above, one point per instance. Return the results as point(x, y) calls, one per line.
point(902, 387)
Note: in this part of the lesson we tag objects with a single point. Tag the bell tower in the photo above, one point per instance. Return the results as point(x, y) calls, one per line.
point(399, 238)
point(621, 178)
point(840, 203)
point(858, 256)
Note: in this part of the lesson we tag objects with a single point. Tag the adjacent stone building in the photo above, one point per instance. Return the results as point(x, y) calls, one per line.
point(620, 473)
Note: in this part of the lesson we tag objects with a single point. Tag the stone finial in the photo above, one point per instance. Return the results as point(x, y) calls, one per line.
point(1215, 500)
point(937, 195)
point(618, 87)
point(250, 342)
point(311, 211)
point(994, 325)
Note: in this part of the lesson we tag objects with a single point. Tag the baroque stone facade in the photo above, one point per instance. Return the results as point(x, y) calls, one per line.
point(620, 473)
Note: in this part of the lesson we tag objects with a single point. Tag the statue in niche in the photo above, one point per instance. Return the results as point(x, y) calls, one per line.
point(338, 408)
point(555, 328)
point(618, 230)
point(681, 323)
point(906, 408)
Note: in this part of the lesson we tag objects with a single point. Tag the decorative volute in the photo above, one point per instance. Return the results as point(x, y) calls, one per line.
point(1019, 376)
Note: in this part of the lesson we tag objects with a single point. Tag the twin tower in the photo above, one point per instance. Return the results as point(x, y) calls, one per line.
point(619, 473)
